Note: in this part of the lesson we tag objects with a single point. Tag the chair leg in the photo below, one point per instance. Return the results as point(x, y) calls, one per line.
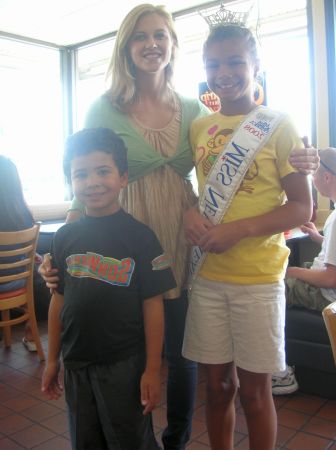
point(36, 336)
point(6, 330)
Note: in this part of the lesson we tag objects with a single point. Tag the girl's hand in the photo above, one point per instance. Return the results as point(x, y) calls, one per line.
point(305, 160)
point(51, 385)
point(150, 390)
point(48, 273)
point(222, 237)
point(195, 225)
point(310, 229)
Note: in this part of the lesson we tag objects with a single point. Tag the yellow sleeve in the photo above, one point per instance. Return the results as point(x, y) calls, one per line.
point(287, 139)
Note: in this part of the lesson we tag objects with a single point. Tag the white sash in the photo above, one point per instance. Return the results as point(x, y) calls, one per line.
point(230, 168)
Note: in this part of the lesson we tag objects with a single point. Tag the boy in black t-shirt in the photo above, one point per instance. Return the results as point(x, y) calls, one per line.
point(106, 316)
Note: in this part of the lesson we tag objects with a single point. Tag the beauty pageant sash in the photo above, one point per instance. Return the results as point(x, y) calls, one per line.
point(230, 168)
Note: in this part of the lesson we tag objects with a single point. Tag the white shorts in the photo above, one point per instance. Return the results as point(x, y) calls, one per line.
point(243, 324)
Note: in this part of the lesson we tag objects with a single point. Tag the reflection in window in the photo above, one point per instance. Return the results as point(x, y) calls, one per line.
point(31, 131)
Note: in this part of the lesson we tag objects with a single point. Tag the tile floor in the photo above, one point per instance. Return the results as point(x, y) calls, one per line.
point(30, 421)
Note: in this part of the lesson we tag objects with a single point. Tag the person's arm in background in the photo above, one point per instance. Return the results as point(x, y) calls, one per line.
point(310, 229)
point(323, 278)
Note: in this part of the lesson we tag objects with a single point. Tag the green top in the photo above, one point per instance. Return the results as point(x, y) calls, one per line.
point(142, 157)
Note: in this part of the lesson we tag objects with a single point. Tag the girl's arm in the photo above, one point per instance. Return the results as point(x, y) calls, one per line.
point(51, 385)
point(295, 212)
point(153, 324)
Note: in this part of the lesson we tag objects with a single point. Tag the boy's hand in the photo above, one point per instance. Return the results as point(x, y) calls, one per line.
point(150, 390)
point(222, 237)
point(48, 273)
point(51, 385)
point(310, 229)
point(195, 225)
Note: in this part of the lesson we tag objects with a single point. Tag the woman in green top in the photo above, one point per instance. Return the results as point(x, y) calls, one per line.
point(153, 120)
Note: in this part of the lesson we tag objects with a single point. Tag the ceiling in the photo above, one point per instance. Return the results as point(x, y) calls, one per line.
point(67, 22)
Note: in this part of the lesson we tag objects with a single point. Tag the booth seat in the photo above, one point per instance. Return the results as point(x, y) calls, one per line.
point(308, 349)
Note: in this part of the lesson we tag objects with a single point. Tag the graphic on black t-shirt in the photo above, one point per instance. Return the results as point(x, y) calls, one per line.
point(103, 268)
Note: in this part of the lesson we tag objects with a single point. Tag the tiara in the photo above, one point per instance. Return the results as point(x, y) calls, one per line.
point(220, 15)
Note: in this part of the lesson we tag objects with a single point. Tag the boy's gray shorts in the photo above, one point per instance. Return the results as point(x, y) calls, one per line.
point(105, 412)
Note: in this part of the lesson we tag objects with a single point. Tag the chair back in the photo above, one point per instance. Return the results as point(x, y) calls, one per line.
point(21, 254)
point(329, 316)
point(17, 258)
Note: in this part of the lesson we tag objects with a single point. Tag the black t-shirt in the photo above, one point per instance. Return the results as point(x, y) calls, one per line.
point(107, 266)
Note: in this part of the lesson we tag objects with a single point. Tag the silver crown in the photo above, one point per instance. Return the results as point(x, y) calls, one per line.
point(217, 16)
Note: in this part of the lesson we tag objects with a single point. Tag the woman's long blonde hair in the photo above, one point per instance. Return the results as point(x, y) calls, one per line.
point(123, 89)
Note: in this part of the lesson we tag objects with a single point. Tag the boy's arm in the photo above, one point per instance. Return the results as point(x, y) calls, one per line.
point(296, 211)
point(51, 385)
point(153, 324)
point(323, 278)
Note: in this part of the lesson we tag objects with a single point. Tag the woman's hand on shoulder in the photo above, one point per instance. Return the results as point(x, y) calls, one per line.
point(48, 273)
point(305, 160)
point(195, 225)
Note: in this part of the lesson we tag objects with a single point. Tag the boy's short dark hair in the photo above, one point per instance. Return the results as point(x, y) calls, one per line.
point(90, 140)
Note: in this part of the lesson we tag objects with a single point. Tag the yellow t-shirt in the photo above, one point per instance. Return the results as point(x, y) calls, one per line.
point(256, 260)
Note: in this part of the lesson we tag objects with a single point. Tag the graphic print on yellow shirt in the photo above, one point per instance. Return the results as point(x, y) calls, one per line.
point(253, 260)
point(215, 145)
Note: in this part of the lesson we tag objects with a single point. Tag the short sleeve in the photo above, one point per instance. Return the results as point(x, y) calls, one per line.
point(154, 275)
point(287, 140)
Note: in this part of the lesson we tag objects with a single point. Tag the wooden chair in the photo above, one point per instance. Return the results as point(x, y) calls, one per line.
point(24, 242)
point(329, 316)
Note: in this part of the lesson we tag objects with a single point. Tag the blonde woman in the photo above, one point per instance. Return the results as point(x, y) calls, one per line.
point(142, 107)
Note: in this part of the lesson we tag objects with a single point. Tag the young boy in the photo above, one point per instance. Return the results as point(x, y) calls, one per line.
point(314, 287)
point(106, 316)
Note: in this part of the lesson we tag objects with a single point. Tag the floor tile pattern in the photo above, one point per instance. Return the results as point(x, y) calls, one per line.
point(29, 421)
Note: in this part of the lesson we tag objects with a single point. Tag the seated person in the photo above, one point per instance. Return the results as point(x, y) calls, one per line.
point(314, 286)
point(15, 216)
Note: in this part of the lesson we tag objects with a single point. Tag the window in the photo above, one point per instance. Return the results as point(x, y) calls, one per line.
point(31, 123)
point(92, 64)
point(31, 92)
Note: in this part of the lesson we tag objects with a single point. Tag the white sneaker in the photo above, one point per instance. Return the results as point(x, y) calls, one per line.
point(286, 384)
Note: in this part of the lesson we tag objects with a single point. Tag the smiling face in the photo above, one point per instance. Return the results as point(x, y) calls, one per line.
point(150, 46)
point(231, 71)
point(96, 183)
